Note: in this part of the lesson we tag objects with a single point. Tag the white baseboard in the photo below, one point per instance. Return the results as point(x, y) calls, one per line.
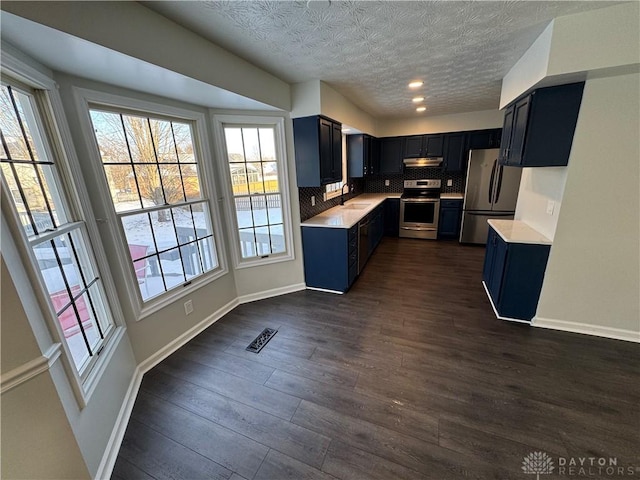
point(326, 290)
point(495, 310)
point(274, 292)
point(587, 329)
point(110, 456)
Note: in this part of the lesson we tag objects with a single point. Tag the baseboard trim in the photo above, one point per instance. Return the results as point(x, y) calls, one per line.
point(495, 310)
point(178, 342)
point(326, 290)
point(274, 292)
point(110, 456)
point(587, 329)
point(29, 370)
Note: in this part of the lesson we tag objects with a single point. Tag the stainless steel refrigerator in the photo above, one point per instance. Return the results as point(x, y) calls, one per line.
point(491, 192)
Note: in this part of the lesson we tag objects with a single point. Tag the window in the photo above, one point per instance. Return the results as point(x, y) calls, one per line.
point(258, 191)
point(333, 190)
point(152, 171)
point(58, 241)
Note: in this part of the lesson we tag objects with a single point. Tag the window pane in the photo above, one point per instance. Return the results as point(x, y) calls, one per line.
point(172, 183)
point(263, 241)
point(184, 224)
point(162, 135)
point(140, 139)
point(274, 206)
point(235, 148)
point(149, 184)
point(270, 177)
point(191, 181)
point(137, 229)
point(183, 142)
point(251, 144)
point(254, 174)
point(20, 143)
point(164, 230)
point(191, 260)
point(149, 277)
point(19, 204)
point(243, 212)
point(239, 180)
point(208, 255)
point(259, 210)
point(110, 136)
point(172, 268)
point(277, 238)
point(201, 220)
point(247, 242)
point(123, 188)
point(267, 144)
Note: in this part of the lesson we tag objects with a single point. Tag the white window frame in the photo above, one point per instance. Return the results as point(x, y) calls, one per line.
point(68, 169)
point(219, 122)
point(85, 99)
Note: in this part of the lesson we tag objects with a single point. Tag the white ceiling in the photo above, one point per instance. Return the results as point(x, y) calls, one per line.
point(370, 50)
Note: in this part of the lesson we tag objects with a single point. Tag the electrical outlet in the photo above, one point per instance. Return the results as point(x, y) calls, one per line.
point(386, 183)
point(188, 307)
point(449, 183)
point(550, 206)
point(313, 200)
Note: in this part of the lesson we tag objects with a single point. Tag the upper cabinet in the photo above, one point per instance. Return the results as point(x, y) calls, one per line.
point(419, 146)
point(391, 150)
point(363, 154)
point(455, 152)
point(484, 139)
point(538, 127)
point(318, 148)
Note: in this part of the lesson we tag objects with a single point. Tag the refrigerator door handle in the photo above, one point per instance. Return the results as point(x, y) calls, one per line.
point(499, 186)
point(493, 174)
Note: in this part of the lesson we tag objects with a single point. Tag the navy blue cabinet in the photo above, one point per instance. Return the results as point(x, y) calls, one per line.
point(392, 217)
point(483, 139)
point(391, 149)
point(417, 146)
point(455, 152)
point(538, 127)
point(330, 257)
point(376, 227)
point(363, 153)
point(450, 218)
point(513, 275)
point(318, 148)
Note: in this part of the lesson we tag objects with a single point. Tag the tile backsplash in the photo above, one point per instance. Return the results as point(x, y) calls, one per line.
point(375, 184)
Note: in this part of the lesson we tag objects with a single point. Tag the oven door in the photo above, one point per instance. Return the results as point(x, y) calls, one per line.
point(419, 217)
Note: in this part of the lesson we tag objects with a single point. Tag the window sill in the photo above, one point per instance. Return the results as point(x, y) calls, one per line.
point(258, 262)
point(330, 195)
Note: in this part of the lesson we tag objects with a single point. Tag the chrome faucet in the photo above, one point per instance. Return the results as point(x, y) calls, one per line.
point(342, 192)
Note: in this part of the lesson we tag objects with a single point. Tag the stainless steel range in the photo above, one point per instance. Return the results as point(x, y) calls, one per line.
point(420, 209)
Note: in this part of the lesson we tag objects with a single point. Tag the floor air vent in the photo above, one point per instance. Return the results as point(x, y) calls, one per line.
point(261, 340)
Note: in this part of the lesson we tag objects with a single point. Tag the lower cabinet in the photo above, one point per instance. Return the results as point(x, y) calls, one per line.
point(450, 218)
point(392, 217)
point(513, 275)
point(330, 257)
point(376, 228)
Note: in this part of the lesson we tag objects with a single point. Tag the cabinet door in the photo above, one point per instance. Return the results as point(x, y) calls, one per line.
point(497, 274)
point(326, 151)
point(336, 152)
point(489, 255)
point(450, 218)
point(392, 217)
point(413, 146)
point(454, 152)
point(507, 129)
point(433, 145)
point(391, 155)
point(356, 166)
point(374, 156)
point(518, 135)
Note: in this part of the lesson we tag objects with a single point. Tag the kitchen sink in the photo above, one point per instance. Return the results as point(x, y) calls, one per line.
point(356, 206)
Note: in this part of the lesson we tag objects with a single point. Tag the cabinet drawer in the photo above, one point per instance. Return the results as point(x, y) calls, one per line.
point(353, 245)
point(353, 272)
point(451, 203)
point(353, 233)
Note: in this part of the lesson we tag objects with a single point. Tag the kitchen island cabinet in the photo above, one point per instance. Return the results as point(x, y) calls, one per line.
point(514, 266)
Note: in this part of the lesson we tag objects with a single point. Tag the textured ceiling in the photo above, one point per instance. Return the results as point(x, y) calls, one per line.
point(369, 51)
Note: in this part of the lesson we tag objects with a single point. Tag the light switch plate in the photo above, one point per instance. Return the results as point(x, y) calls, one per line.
point(313, 200)
point(550, 207)
point(386, 183)
point(449, 183)
point(188, 307)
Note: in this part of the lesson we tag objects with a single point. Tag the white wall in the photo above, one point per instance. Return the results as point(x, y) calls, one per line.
point(538, 186)
point(336, 106)
point(417, 125)
point(593, 275)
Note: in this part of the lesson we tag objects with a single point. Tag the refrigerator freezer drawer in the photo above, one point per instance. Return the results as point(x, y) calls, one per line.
point(475, 227)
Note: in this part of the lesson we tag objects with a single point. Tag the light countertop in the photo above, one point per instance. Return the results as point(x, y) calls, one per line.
point(347, 215)
point(452, 196)
point(515, 231)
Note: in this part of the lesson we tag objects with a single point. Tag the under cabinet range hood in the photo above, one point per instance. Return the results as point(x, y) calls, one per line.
point(422, 162)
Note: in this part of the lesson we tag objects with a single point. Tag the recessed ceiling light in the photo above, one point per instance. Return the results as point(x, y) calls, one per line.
point(416, 84)
point(421, 109)
point(417, 99)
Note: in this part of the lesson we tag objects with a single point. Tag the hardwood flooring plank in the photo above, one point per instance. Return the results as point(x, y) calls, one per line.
point(296, 441)
point(165, 459)
point(221, 445)
point(350, 463)
point(278, 466)
point(423, 457)
point(244, 391)
point(387, 413)
point(125, 470)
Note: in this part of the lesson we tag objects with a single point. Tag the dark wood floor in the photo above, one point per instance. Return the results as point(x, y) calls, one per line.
point(407, 376)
